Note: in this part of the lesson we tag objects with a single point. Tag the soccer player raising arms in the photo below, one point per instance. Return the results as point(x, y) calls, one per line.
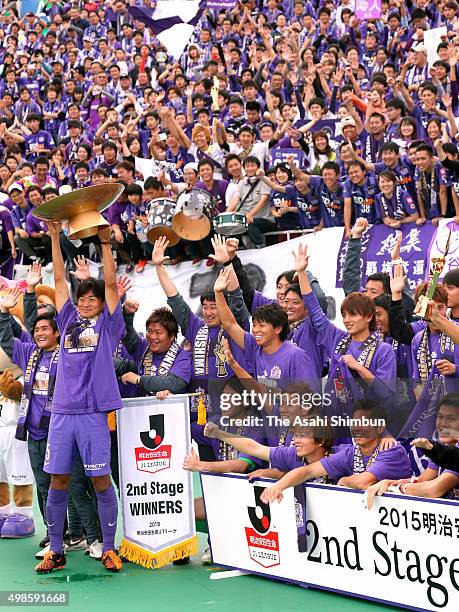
point(86, 389)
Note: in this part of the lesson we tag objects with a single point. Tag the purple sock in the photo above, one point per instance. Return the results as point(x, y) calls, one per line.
point(108, 513)
point(56, 511)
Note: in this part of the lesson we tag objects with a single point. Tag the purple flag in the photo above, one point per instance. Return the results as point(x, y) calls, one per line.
point(377, 245)
point(367, 9)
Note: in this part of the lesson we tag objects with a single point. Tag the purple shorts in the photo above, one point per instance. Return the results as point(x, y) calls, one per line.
point(89, 433)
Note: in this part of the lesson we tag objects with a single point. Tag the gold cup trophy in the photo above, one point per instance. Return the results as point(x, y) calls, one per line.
point(81, 209)
point(423, 309)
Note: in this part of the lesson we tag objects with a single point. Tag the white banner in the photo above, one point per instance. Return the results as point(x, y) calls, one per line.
point(403, 552)
point(156, 493)
point(263, 266)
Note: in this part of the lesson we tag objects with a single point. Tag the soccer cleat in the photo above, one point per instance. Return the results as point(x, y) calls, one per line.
point(52, 561)
point(111, 561)
point(18, 526)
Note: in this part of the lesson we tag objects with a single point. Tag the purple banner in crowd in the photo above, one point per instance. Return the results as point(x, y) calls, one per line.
point(367, 9)
point(377, 245)
point(219, 5)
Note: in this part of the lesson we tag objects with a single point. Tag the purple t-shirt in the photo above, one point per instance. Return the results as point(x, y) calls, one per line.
point(284, 458)
point(117, 215)
point(87, 370)
point(393, 463)
point(260, 300)
point(218, 192)
point(289, 364)
point(305, 337)
point(21, 355)
point(35, 225)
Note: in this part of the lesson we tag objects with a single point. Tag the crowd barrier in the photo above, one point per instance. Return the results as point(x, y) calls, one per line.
point(403, 552)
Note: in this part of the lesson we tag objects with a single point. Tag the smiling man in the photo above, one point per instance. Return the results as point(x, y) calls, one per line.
point(160, 363)
point(360, 364)
point(356, 465)
point(274, 361)
point(90, 334)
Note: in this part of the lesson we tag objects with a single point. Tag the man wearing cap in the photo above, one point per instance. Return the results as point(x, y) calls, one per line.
point(350, 133)
point(416, 69)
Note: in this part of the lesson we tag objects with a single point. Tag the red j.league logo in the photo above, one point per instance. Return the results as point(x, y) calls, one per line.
point(263, 543)
point(153, 456)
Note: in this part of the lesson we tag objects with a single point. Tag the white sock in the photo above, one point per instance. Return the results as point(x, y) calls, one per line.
point(8, 509)
point(24, 510)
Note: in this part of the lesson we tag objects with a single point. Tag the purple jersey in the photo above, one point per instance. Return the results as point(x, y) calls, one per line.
point(260, 300)
point(87, 369)
point(331, 202)
point(343, 388)
point(289, 364)
point(399, 206)
point(392, 463)
point(22, 352)
point(363, 197)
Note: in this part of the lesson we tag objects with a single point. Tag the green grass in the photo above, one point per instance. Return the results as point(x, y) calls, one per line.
point(186, 588)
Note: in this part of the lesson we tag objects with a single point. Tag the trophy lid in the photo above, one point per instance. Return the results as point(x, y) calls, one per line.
point(78, 202)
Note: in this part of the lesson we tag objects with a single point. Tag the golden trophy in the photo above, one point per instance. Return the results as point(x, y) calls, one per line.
point(81, 209)
point(423, 309)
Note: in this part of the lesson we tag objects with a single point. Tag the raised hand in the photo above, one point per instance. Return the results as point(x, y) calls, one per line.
point(398, 280)
point(9, 299)
point(54, 228)
point(222, 282)
point(360, 226)
point(81, 268)
point(301, 258)
point(131, 306)
point(123, 284)
point(34, 275)
point(159, 251)
point(220, 251)
point(232, 246)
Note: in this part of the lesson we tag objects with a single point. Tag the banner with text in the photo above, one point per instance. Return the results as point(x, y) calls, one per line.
point(156, 493)
point(327, 253)
point(403, 552)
